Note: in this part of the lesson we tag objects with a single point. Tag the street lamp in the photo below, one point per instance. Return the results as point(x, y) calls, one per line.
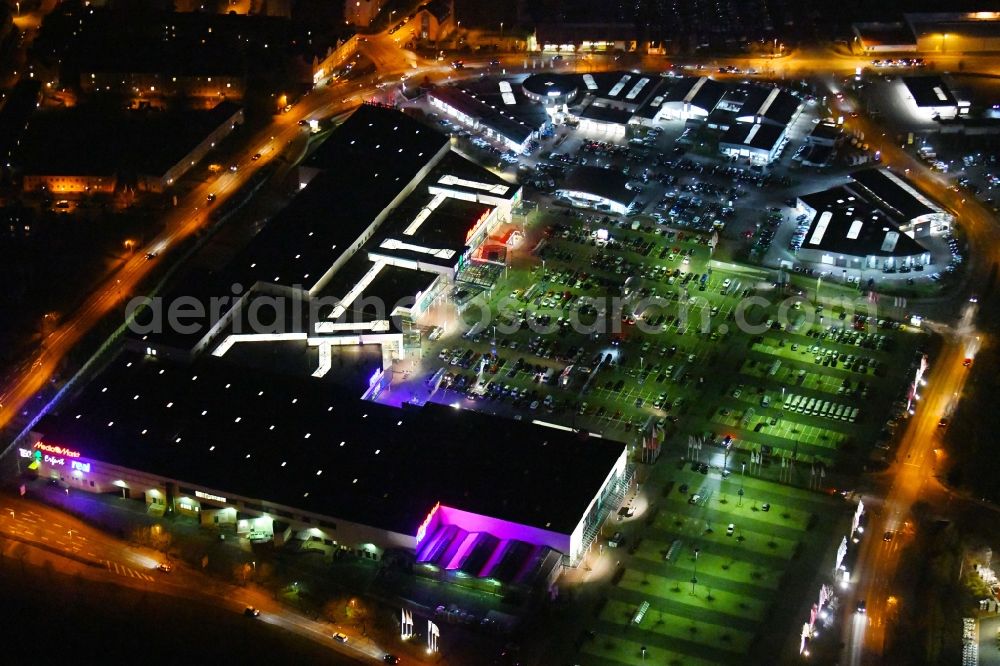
point(694, 576)
point(743, 472)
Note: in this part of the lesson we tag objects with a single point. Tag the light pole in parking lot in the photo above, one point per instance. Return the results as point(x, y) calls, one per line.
point(694, 576)
point(743, 472)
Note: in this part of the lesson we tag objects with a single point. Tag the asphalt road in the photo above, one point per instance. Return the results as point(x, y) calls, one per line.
point(41, 534)
point(912, 475)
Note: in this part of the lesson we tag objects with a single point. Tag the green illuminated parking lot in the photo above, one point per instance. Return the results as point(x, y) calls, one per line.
point(698, 352)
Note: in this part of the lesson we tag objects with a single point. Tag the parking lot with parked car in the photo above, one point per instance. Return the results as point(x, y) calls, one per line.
point(737, 389)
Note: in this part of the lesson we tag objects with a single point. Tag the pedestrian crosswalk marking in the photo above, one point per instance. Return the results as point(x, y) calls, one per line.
point(123, 570)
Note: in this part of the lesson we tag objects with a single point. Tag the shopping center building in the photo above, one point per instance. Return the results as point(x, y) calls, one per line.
point(252, 418)
point(386, 217)
point(303, 462)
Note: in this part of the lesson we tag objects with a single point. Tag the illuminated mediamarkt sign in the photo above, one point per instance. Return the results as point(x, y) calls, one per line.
point(422, 530)
point(56, 450)
point(54, 455)
point(475, 227)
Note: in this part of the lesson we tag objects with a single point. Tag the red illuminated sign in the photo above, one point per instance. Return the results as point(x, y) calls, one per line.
point(422, 530)
point(475, 227)
point(57, 450)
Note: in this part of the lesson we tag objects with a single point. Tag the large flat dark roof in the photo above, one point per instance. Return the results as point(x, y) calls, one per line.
point(378, 140)
point(304, 444)
point(772, 104)
point(605, 114)
point(351, 366)
point(491, 91)
point(393, 286)
point(94, 140)
point(825, 132)
point(848, 223)
point(929, 91)
point(371, 159)
point(761, 136)
point(680, 88)
point(651, 106)
point(365, 164)
point(709, 95)
point(449, 223)
point(622, 86)
point(514, 121)
point(896, 193)
point(606, 183)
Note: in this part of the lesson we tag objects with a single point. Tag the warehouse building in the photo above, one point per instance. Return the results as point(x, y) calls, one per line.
point(929, 97)
point(932, 32)
point(851, 232)
point(955, 32)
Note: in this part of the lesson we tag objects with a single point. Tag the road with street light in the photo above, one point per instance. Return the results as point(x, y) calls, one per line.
point(912, 475)
point(41, 535)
